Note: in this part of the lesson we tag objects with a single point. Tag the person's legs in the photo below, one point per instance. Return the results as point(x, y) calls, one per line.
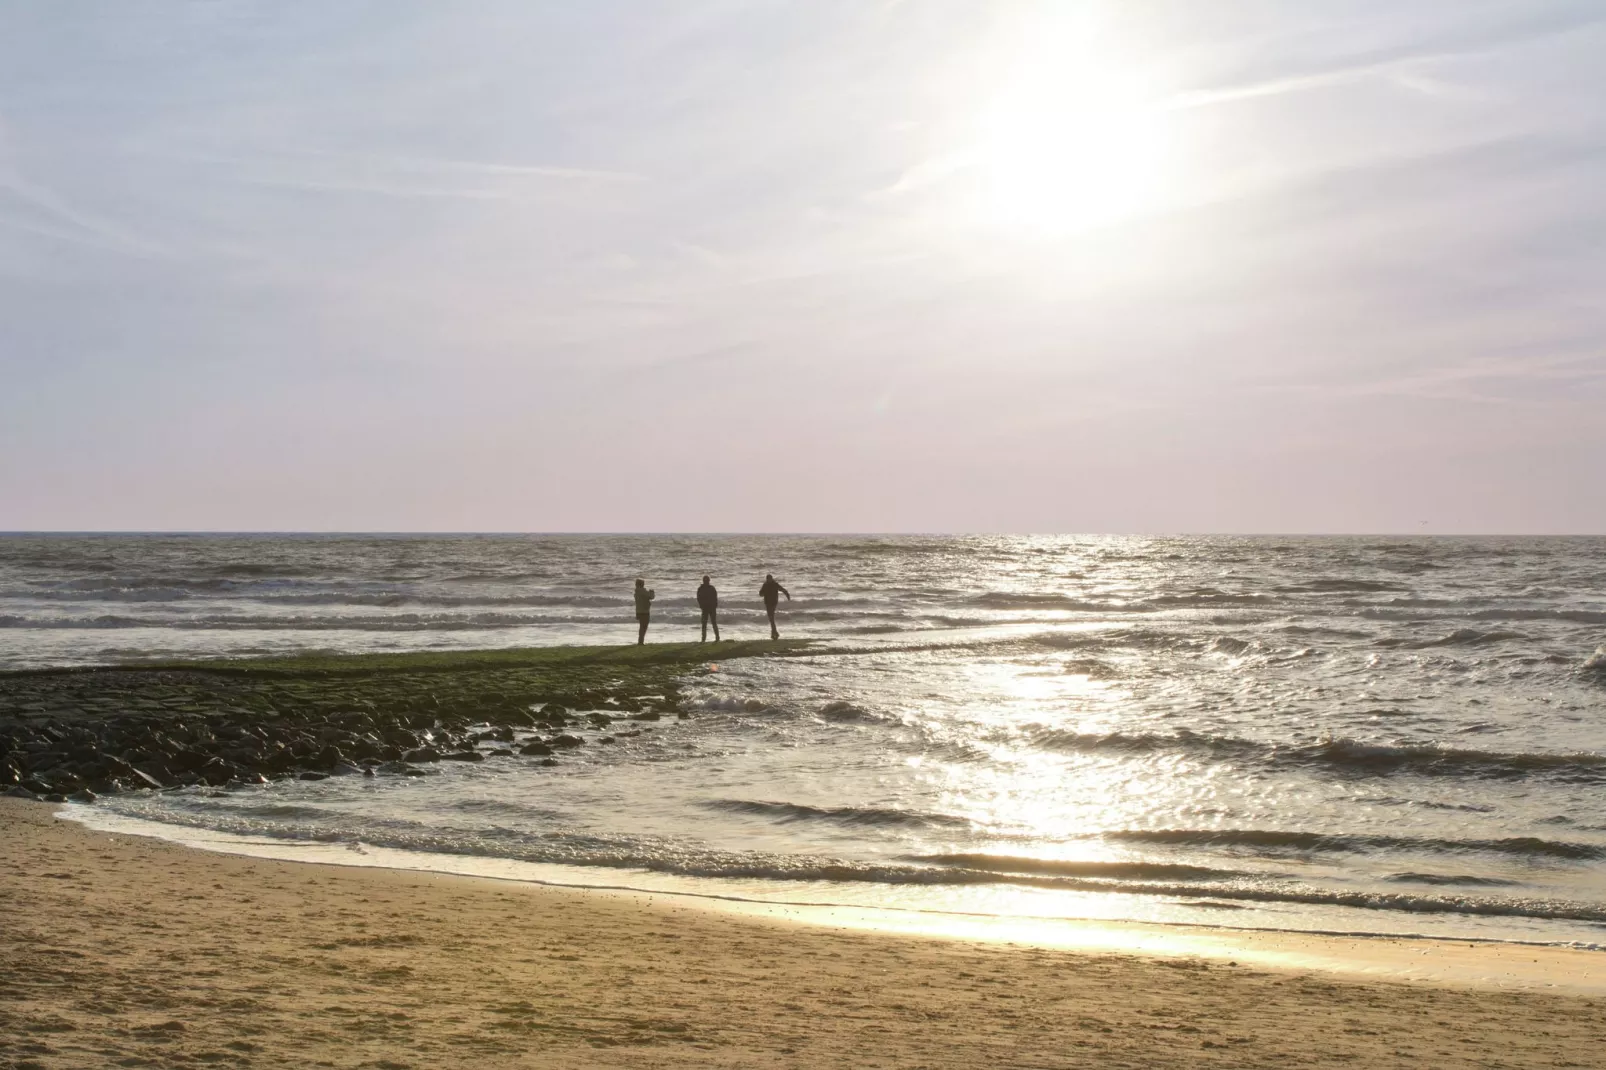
point(771, 611)
point(713, 618)
point(641, 636)
point(704, 639)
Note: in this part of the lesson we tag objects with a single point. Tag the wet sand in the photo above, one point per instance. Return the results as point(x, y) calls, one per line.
point(118, 950)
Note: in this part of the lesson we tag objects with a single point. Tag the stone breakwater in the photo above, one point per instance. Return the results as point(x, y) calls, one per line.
point(79, 733)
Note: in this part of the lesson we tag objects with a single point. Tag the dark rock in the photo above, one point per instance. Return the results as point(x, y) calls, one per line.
point(537, 747)
point(83, 795)
point(549, 761)
point(156, 767)
point(93, 770)
point(649, 715)
point(17, 791)
point(362, 748)
point(9, 774)
point(567, 740)
point(311, 775)
point(599, 720)
point(344, 769)
point(422, 754)
point(329, 757)
point(187, 761)
point(464, 756)
point(399, 737)
point(35, 786)
point(607, 739)
point(142, 779)
point(45, 760)
point(216, 772)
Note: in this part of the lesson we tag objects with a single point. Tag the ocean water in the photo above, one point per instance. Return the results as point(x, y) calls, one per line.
point(1326, 734)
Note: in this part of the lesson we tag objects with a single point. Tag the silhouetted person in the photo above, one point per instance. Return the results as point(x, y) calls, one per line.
point(708, 602)
point(771, 593)
point(644, 599)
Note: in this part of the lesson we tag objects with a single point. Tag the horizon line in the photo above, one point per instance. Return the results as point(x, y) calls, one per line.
point(820, 533)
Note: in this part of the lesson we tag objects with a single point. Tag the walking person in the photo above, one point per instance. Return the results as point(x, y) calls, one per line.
point(771, 593)
point(644, 597)
point(708, 602)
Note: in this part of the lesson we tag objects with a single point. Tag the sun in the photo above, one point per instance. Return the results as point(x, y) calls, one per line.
point(1072, 140)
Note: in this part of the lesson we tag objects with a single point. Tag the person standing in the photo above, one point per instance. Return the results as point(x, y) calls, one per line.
point(708, 602)
point(771, 593)
point(644, 597)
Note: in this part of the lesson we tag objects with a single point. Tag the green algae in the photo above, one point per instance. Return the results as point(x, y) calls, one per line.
point(492, 686)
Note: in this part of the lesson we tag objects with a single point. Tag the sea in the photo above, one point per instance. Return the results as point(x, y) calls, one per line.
point(1345, 734)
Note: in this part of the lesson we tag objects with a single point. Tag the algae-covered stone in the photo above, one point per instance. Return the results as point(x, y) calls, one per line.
point(233, 720)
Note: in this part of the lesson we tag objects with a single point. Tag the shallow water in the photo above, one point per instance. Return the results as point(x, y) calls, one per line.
point(1392, 735)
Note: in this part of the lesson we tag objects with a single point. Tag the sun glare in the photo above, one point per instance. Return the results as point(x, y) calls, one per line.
point(1073, 139)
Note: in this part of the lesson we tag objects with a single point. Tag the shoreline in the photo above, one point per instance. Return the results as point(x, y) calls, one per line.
point(126, 949)
point(1474, 961)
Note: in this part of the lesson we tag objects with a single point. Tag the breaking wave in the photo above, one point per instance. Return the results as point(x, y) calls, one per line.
point(1459, 637)
point(1343, 756)
point(1279, 839)
point(847, 713)
point(785, 812)
point(991, 863)
point(1594, 666)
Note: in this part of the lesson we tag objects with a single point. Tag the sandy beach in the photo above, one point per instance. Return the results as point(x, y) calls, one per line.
point(117, 950)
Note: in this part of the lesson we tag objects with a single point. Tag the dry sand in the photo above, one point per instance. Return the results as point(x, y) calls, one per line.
point(121, 951)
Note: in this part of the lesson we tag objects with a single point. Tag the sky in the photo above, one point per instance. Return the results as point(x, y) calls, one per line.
point(829, 265)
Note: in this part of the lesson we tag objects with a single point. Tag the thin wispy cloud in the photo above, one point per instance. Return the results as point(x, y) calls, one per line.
point(407, 164)
point(1448, 41)
point(44, 211)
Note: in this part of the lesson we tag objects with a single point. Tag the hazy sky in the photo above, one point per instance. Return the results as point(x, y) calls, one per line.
point(857, 265)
